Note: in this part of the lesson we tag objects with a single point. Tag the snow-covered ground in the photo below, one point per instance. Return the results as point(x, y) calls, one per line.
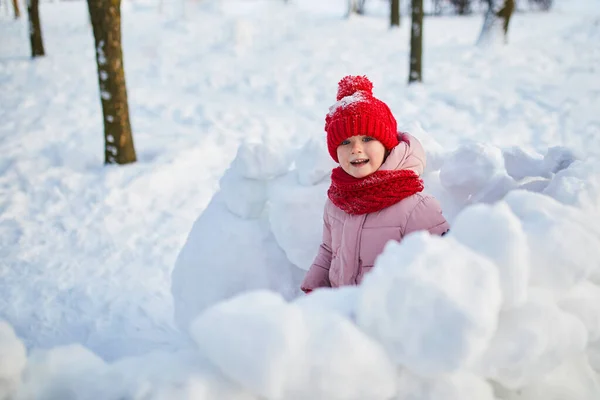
point(87, 251)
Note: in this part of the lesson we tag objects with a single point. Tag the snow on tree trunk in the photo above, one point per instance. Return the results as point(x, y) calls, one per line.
point(106, 23)
point(15, 4)
point(395, 13)
point(356, 7)
point(35, 29)
point(495, 24)
point(416, 42)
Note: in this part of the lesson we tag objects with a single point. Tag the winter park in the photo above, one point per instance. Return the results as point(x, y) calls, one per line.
point(175, 174)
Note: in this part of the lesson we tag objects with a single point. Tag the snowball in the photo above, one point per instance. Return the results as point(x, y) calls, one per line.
point(458, 386)
point(281, 351)
point(12, 360)
point(313, 162)
point(520, 163)
point(583, 301)
point(566, 189)
point(255, 341)
point(495, 232)
point(244, 197)
point(530, 342)
point(558, 158)
point(261, 161)
point(431, 302)
point(578, 185)
point(434, 150)
point(224, 256)
point(497, 187)
point(468, 169)
point(296, 219)
point(563, 251)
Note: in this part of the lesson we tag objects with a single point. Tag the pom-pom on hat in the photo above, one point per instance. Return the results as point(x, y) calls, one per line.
point(357, 112)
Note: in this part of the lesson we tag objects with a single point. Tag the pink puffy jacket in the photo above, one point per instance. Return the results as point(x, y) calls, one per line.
point(352, 242)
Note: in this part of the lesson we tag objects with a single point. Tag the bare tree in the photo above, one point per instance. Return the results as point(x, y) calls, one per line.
point(495, 23)
point(416, 42)
point(35, 29)
point(105, 16)
point(15, 4)
point(395, 13)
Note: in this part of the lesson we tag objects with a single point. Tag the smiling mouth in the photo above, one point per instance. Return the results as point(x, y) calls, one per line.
point(359, 162)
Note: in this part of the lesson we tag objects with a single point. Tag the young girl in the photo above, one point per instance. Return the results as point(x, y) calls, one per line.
point(375, 194)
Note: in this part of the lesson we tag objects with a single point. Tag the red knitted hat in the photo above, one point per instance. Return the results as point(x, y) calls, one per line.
point(357, 112)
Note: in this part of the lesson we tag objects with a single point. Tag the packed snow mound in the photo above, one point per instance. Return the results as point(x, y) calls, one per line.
point(231, 248)
point(87, 249)
point(496, 233)
point(283, 351)
point(504, 307)
point(432, 302)
point(508, 297)
point(264, 226)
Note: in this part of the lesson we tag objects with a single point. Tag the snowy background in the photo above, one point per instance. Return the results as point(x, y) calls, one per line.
point(121, 282)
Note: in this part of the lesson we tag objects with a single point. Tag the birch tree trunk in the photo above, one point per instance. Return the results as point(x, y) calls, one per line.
point(395, 13)
point(106, 24)
point(416, 42)
point(15, 4)
point(495, 23)
point(35, 29)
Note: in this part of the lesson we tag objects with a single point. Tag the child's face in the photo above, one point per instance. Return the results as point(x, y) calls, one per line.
point(361, 155)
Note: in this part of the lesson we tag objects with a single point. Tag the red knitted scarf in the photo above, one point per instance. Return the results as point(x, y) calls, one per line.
point(372, 193)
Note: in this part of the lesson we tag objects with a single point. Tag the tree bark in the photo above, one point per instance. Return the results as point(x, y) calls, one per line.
point(15, 4)
point(35, 29)
point(504, 14)
point(106, 24)
point(416, 42)
point(395, 13)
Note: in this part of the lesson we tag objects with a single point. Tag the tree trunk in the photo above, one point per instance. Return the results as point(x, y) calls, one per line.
point(106, 24)
point(463, 7)
point(351, 8)
point(395, 13)
point(35, 29)
point(416, 42)
point(495, 23)
point(15, 4)
point(504, 14)
point(356, 7)
point(437, 7)
point(361, 7)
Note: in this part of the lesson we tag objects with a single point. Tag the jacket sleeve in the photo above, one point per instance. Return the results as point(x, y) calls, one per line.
point(427, 216)
point(318, 274)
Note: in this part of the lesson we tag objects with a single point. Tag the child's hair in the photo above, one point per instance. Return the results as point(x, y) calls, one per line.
point(357, 112)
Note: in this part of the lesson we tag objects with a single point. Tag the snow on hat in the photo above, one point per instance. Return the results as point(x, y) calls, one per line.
point(357, 112)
